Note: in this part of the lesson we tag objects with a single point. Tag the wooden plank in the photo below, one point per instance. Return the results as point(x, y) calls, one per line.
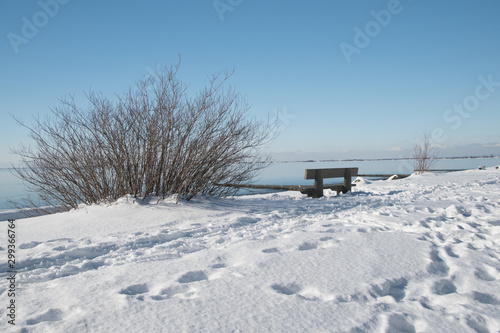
point(301, 188)
point(268, 187)
point(330, 173)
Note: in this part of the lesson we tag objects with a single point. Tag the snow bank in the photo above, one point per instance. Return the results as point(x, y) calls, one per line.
point(414, 255)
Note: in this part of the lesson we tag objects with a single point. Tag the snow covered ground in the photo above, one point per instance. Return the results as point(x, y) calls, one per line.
point(420, 254)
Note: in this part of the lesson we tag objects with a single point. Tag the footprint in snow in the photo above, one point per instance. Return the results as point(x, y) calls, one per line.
point(29, 245)
point(471, 247)
point(425, 224)
point(449, 252)
point(484, 273)
point(49, 315)
point(135, 289)
point(399, 323)
point(477, 323)
point(438, 266)
point(480, 236)
point(271, 250)
point(218, 266)
point(395, 288)
point(474, 225)
point(243, 221)
point(60, 240)
point(286, 289)
point(444, 287)
point(308, 246)
point(174, 291)
point(192, 276)
point(453, 212)
point(485, 298)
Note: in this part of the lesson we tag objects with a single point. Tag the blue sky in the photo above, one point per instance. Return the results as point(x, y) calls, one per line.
point(347, 78)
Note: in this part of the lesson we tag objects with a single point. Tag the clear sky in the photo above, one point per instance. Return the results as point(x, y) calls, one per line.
point(347, 78)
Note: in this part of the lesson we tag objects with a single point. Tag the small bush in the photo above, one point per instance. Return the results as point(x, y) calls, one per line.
point(424, 155)
point(156, 140)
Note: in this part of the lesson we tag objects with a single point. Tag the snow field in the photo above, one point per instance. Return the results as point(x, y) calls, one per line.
point(414, 255)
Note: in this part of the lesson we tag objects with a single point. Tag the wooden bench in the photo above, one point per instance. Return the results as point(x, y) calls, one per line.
point(319, 174)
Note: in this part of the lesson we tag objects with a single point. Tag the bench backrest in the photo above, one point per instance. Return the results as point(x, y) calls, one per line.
point(330, 173)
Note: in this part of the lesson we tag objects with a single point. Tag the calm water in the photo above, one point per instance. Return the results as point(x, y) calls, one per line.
point(293, 173)
point(284, 173)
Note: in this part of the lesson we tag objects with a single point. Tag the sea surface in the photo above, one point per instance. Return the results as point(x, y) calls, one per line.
point(284, 173)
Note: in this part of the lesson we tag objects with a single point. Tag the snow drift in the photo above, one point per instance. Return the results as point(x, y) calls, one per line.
point(414, 255)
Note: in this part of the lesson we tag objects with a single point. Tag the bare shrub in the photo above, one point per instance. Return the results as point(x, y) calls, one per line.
point(424, 155)
point(156, 140)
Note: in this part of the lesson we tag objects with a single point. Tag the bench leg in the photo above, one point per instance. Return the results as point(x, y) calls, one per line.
point(347, 181)
point(318, 185)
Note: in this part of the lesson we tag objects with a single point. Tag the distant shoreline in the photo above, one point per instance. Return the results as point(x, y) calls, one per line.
point(371, 159)
point(386, 159)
